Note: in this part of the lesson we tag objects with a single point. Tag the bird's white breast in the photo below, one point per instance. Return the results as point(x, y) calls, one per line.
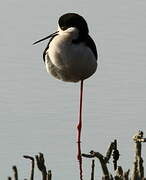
point(74, 58)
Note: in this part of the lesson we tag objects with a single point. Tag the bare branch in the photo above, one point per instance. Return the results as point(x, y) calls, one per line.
point(109, 152)
point(32, 165)
point(92, 169)
point(119, 173)
point(126, 175)
point(41, 165)
point(102, 162)
point(49, 175)
point(138, 169)
point(15, 172)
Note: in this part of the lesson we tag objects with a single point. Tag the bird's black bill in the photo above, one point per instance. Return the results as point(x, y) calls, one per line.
point(55, 33)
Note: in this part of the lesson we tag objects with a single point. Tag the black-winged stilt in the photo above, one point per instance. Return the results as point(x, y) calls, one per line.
point(71, 54)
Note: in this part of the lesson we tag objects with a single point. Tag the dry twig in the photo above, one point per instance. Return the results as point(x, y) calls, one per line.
point(15, 172)
point(41, 165)
point(32, 165)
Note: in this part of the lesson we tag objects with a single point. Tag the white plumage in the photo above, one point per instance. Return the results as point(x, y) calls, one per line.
point(71, 55)
point(69, 61)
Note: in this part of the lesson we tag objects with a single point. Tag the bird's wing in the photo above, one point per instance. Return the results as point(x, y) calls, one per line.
point(91, 44)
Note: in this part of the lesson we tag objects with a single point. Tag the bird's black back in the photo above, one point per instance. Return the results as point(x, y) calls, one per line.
point(89, 42)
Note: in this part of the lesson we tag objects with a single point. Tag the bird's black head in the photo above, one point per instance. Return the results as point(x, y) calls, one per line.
point(73, 20)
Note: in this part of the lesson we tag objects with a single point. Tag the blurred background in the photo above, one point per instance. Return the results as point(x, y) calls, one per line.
point(39, 113)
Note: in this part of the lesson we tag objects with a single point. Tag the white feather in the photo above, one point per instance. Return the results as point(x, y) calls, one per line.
point(77, 59)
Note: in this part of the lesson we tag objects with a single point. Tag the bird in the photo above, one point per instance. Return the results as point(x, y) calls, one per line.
point(71, 53)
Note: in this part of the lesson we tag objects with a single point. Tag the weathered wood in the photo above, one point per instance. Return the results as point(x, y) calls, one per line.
point(15, 172)
point(41, 165)
point(92, 169)
point(102, 162)
point(119, 173)
point(138, 169)
point(126, 174)
point(109, 152)
point(49, 175)
point(32, 166)
point(137, 172)
point(115, 154)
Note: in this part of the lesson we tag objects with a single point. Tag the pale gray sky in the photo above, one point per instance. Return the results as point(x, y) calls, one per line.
point(39, 113)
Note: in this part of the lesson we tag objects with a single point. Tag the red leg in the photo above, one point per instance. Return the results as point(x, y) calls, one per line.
point(79, 127)
point(79, 157)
